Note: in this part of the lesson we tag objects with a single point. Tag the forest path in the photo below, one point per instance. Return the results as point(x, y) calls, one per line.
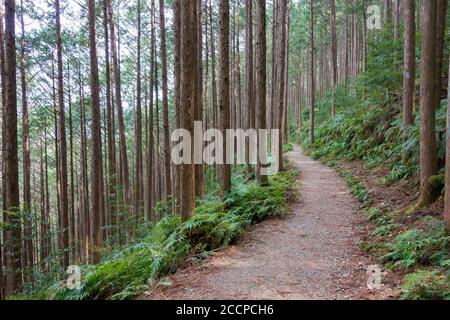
point(312, 253)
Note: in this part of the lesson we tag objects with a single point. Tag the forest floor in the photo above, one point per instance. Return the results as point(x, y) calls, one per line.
point(311, 253)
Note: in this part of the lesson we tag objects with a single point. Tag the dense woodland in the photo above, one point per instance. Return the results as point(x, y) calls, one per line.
point(92, 91)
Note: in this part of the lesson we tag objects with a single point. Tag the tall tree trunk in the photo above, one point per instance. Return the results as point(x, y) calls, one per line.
point(138, 205)
point(285, 126)
point(428, 153)
point(72, 177)
point(409, 76)
point(112, 166)
point(2, 287)
point(224, 103)
point(333, 55)
point(62, 144)
point(118, 97)
point(12, 195)
point(150, 157)
point(27, 214)
point(447, 162)
point(177, 90)
point(199, 168)
point(47, 226)
point(396, 19)
point(188, 98)
point(281, 83)
point(167, 166)
point(364, 36)
point(441, 23)
point(213, 68)
point(84, 176)
point(57, 158)
point(355, 44)
point(249, 74)
point(274, 63)
point(311, 74)
point(97, 162)
point(261, 79)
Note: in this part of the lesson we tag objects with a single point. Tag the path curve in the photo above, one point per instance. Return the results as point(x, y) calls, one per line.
point(310, 254)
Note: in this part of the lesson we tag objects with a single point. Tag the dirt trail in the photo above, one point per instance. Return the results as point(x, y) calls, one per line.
point(310, 254)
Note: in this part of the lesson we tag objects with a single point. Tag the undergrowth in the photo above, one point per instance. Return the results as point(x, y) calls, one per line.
point(420, 250)
point(369, 127)
point(170, 243)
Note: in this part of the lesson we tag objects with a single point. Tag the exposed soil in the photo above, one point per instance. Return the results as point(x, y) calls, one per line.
point(312, 253)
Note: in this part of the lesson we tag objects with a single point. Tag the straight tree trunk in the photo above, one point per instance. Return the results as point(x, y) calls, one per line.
point(27, 214)
point(311, 74)
point(441, 23)
point(188, 98)
point(118, 100)
point(150, 157)
point(213, 69)
point(138, 205)
point(85, 235)
point(112, 165)
point(2, 287)
point(333, 55)
point(177, 90)
point(199, 168)
point(281, 81)
point(261, 78)
point(364, 36)
point(224, 103)
point(409, 75)
point(167, 166)
point(12, 195)
point(285, 126)
point(396, 19)
point(249, 74)
point(62, 144)
point(447, 162)
point(355, 45)
point(97, 163)
point(428, 148)
point(72, 177)
point(274, 64)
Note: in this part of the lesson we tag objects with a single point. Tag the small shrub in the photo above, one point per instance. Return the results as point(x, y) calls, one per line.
point(426, 285)
point(416, 246)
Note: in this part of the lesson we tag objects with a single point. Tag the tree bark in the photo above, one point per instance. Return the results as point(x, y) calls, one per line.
point(112, 165)
point(311, 75)
point(177, 90)
point(333, 55)
point(409, 76)
point(396, 19)
point(62, 144)
point(224, 103)
point(167, 166)
point(441, 23)
point(199, 168)
point(12, 193)
point(118, 97)
point(261, 78)
point(27, 214)
point(281, 81)
point(447, 162)
point(249, 73)
point(428, 148)
point(138, 204)
point(189, 98)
